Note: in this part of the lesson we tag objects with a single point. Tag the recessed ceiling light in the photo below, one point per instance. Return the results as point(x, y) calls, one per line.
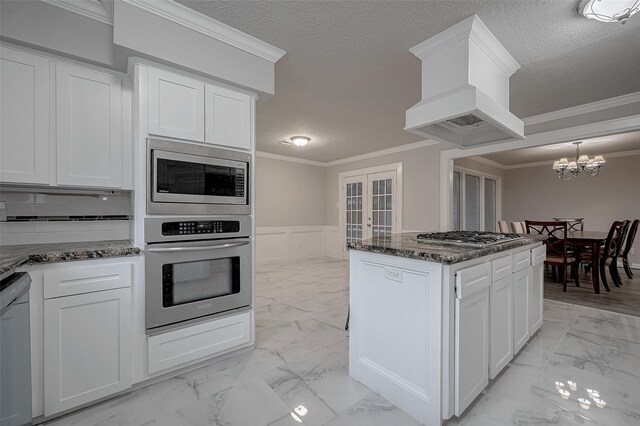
point(300, 140)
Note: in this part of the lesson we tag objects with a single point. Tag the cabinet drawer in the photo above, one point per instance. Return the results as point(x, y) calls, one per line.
point(86, 279)
point(471, 280)
point(538, 255)
point(501, 268)
point(181, 346)
point(520, 260)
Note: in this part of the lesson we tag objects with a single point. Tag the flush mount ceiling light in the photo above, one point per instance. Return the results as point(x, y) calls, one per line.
point(608, 10)
point(300, 140)
point(582, 166)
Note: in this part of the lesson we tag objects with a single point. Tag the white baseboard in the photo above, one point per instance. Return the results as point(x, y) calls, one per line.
point(296, 242)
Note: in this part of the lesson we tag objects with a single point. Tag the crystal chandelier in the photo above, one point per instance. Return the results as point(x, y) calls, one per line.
point(582, 166)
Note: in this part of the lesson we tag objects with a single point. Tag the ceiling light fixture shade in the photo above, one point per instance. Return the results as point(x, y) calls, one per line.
point(300, 140)
point(609, 10)
point(582, 166)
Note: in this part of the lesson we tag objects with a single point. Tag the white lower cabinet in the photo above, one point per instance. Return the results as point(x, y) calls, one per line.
point(536, 296)
point(185, 345)
point(471, 343)
point(87, 348)
point(521, 296)
point(501, 325)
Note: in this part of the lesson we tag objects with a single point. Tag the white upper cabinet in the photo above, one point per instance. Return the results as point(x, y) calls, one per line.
point(24, 117)
point(89, 132)
point(176, 106)
point(228, 117)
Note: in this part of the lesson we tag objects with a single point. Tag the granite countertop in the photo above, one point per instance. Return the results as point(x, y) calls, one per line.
point(11, 257)
point(407, 245)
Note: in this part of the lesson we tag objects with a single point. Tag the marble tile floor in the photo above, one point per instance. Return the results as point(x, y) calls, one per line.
point(298, 372)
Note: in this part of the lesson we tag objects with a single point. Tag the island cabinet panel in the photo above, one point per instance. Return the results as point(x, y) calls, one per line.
point(538, 256)
point(395, 331)
point(471, 347)
point(521, 295)
point(501, 327)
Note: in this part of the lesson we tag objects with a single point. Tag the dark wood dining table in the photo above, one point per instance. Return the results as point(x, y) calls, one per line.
point(592, 240)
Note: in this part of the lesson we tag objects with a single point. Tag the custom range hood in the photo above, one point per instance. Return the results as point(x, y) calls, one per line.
point(465, 88)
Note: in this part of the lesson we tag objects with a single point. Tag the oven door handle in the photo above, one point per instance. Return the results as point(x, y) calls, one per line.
point(174, 249)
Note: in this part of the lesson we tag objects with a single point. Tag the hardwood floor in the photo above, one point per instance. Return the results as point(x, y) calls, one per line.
point(624, 299)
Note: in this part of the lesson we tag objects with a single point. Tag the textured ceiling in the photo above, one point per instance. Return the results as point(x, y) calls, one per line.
point(602, 145)
point(348, 77)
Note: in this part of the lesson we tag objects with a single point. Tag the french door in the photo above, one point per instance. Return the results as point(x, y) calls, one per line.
point(369, 202)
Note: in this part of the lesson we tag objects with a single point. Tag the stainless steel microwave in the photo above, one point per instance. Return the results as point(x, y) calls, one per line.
point(185, 178)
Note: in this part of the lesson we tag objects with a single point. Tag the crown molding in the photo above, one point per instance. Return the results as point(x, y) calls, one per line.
point(401, 148)
point(489, 162)
point(208, 26)
point(627, 99)
point(394, 150)
point(94, 9)
point(471, 28)
point(550, 162)
point(289, 159)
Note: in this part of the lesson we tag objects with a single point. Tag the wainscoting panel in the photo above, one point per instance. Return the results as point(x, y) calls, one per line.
point(292, 242)
point(333, 239)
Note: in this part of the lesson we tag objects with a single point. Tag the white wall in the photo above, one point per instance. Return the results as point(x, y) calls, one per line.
point(421, 177)
point(290, 210)
point(289, 194)
point(536, 193)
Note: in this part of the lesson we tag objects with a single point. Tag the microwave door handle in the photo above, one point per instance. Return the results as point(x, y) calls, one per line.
point(174, 249)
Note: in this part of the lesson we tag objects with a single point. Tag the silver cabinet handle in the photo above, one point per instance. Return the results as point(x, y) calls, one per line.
point(173, 249)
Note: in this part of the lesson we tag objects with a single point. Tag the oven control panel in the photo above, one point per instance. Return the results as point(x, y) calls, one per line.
point(201, 227)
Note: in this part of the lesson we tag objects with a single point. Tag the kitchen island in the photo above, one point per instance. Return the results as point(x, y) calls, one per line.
point(433, 322)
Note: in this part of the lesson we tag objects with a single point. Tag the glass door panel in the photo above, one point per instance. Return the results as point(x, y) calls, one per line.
point(472, 203)
point(455, 211)
point(354, 211)
point(490, 205)
point(381, 215)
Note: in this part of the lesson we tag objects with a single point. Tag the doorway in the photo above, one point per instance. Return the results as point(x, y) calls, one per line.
point(476, 200)
point(370, 203)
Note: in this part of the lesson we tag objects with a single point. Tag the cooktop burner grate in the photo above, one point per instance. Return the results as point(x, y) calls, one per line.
point(475, 238)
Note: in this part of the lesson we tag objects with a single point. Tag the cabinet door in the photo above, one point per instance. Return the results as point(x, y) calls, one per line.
point(24, 117)
point(87, 351)
point(536, 296)
point(227, 117)
point(501, 327)
point(521, 291)
point(176, 106)
point(89, 132)
point(471, 348)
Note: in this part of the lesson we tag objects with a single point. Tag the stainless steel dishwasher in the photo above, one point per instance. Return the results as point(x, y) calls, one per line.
point(15, 351)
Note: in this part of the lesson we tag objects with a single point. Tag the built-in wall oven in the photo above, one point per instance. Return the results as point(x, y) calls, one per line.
point(196, 266)
point(190, 179)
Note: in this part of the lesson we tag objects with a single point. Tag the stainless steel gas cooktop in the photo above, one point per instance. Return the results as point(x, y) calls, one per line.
point(468, 238)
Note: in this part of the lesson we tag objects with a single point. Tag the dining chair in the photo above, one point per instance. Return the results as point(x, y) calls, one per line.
point(503, 226)
point(609, 252)
point(516, 227)
point(573, 223)
point(631, 235)
point(557, 252)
